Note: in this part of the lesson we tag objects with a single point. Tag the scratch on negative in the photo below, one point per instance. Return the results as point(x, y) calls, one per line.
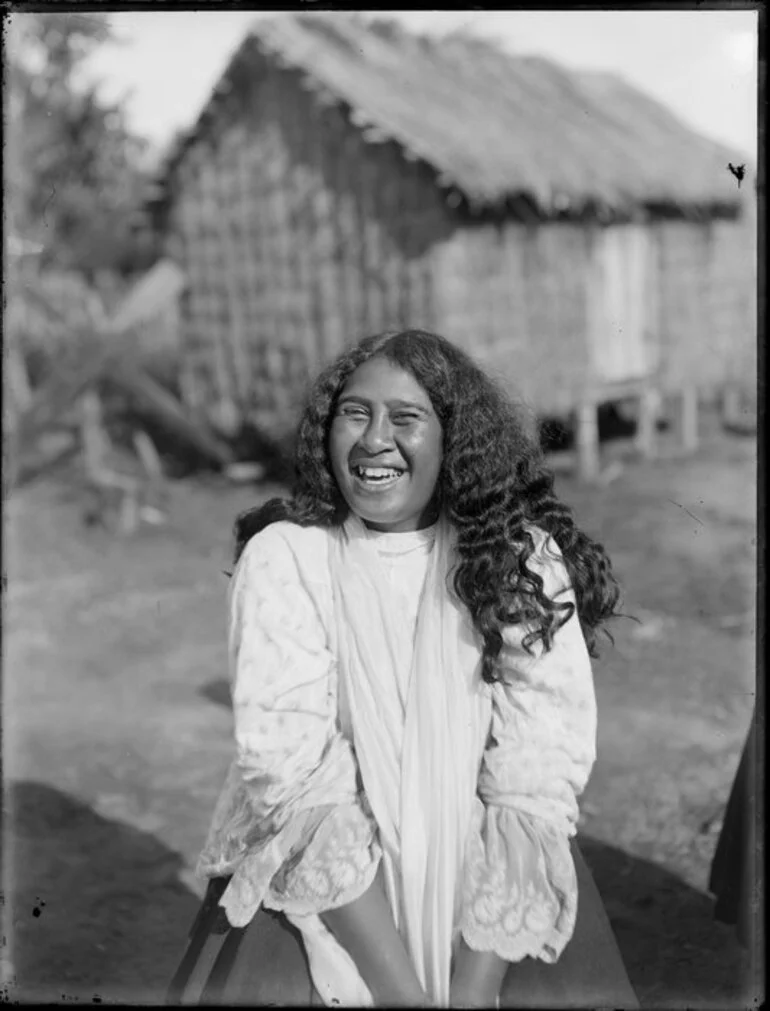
point(48, 203)
point(679, 504)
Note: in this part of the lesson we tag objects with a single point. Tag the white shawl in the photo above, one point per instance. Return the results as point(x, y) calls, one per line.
point(419, 756)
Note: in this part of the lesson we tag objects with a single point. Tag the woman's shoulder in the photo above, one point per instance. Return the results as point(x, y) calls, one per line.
point(288, 546)
point(290, 534)
point(282, 578)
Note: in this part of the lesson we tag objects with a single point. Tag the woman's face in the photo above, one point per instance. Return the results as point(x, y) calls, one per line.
point(385, 447)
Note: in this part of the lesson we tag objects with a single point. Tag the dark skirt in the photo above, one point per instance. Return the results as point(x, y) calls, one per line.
point(265, 963)
point(732, 878)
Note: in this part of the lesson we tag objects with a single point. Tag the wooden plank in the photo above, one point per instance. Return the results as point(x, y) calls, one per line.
point(298, 178)
point(330, 309)
point(374, 288)
point(231, 236)
point(353, 282)
point(618, 305)
point(209, 248)
point(263, 318)
point(337, 286)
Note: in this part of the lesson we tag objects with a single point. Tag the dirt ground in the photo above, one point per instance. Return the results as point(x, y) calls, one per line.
point(116, 739)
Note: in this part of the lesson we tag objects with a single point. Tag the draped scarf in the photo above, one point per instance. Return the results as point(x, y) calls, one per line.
point(418, 748)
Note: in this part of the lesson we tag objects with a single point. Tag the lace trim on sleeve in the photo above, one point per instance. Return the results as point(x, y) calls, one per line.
point(323, 858)
point(520, 887)
point(335, 867)
point(251, 879)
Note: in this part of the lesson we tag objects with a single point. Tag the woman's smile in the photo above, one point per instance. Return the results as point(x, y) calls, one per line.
point(385, 446)
point(376, 478)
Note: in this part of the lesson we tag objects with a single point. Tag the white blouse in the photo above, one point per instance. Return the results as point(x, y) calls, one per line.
point(292, 825)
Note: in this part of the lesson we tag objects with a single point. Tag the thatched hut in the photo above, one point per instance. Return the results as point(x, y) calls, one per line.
point(348, 176)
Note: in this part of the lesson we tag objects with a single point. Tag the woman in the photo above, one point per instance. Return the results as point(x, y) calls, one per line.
point(414, 712)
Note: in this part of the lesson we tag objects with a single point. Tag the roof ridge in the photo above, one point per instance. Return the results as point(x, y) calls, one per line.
point(490, 122)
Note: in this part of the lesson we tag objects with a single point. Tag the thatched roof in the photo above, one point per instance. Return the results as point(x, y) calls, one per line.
point(495, 126)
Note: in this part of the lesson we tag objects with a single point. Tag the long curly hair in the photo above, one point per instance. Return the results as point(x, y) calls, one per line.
point(493, 487)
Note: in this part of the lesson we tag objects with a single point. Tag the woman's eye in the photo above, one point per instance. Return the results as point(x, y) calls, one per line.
point(352, 412)
point(404, 419)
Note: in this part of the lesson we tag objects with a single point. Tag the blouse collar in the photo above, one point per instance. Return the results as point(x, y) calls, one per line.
point(403, 542)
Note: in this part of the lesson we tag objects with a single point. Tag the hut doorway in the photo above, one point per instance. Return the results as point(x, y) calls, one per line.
point(622, 308)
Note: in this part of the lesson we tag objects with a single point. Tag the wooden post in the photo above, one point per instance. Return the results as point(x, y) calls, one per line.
point(646, 424)
point(587, 441)
point(687, 418)
point(106, 482)
point(731, 403)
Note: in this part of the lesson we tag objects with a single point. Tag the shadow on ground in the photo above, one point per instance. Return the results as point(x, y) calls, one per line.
point(95, 910)
point(677, 955)
point(97, 913)
point(218, 692)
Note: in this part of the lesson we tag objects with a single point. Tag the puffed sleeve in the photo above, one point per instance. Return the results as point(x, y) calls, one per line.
point(520, 886)
point(290, 825)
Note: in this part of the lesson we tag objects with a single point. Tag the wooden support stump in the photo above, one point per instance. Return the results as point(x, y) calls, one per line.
point(732, 403)
point(646, 425)
point(587, 441)
point(686, 411)
point(739, 414)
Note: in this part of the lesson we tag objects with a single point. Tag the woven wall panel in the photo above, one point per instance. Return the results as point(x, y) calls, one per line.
point(515, 297)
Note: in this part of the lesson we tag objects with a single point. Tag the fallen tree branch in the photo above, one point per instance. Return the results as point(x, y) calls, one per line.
point(104, 352)
point(158, 402)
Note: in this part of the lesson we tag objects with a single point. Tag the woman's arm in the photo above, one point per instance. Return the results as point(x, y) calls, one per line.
point(520, 887)
point(289, 751)
point(365, 929)
point(477, 978)
point(294, 771)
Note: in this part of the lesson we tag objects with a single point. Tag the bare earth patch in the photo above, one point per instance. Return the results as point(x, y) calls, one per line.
point(116, 741)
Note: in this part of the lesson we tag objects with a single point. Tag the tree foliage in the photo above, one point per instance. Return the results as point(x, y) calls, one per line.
point(75, 177)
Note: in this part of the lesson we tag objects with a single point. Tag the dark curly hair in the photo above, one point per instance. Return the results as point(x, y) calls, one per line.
point(493, 487)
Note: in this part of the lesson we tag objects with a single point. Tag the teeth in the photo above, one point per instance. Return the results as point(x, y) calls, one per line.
point(376, 473)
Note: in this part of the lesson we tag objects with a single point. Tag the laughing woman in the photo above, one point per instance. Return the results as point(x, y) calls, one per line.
point(410, 642)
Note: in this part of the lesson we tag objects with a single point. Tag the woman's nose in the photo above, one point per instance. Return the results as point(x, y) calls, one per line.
point(378, 435)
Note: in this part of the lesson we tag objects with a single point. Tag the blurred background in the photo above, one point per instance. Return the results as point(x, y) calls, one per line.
point(201, 208)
